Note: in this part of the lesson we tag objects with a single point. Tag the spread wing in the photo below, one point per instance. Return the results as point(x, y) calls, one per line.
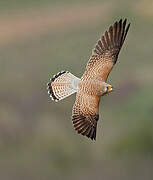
point(105, 53)
point(85, 114)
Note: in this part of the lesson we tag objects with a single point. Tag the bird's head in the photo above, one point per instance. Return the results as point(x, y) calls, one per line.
point(107, 89)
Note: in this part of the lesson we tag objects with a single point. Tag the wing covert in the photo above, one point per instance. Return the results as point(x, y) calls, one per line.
point(85, 114)
point(106, 51)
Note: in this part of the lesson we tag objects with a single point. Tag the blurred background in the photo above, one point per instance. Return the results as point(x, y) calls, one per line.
point(39, 38)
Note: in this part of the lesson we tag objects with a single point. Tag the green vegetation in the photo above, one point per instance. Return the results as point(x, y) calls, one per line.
point(37, 140)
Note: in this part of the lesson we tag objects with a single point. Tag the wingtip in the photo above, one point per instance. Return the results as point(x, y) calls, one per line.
point(113, 38)
point(82, 125)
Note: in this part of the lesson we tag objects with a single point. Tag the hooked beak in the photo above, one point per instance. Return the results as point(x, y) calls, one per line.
point(110, 88)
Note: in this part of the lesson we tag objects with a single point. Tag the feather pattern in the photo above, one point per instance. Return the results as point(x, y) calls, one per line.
point(62, 85)
point(105, 53)
point(85, 112)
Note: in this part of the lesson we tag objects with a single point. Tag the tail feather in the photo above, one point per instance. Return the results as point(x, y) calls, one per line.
point(62, 85)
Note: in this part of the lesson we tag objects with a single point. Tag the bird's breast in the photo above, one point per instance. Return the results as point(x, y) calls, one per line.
point(91, 87)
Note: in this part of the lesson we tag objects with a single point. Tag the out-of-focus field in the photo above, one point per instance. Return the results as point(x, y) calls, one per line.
point(37, 141)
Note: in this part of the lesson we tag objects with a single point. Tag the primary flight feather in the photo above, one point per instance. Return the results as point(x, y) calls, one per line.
point(92, 84)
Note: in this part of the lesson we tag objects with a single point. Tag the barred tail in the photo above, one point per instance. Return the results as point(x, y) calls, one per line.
point(62, 85)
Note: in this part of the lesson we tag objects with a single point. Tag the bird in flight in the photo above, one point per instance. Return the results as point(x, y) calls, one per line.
point(92, 85)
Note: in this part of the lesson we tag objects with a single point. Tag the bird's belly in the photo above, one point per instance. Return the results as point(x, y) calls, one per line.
point(90, 87)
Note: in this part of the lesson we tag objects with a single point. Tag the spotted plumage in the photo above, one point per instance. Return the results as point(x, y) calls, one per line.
point(92, 84)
